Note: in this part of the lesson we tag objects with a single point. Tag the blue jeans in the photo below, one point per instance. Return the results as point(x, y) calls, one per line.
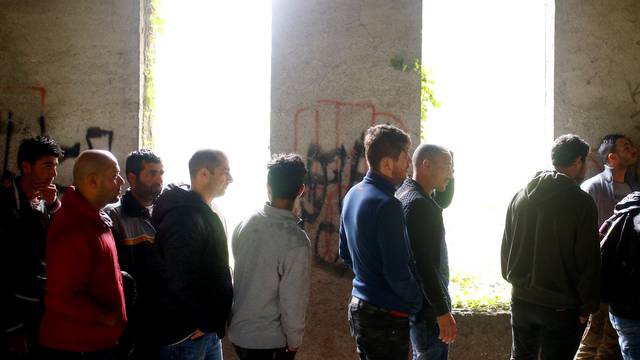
point(628, 336)
point(425, 342)
point(206, 347)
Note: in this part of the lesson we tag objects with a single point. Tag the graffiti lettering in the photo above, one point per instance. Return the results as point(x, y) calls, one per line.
point(335, 164)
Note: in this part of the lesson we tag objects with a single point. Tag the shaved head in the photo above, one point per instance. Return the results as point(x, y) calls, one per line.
point(427, 152)
point(92, 162)
point(96, 175)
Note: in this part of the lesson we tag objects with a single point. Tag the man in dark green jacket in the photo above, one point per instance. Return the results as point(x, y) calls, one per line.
point(550, 255)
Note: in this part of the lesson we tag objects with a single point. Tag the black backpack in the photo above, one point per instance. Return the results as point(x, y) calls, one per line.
point(620, 255)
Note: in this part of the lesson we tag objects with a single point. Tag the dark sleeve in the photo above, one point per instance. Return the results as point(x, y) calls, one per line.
point(422, 225)
point(505, 249)
point(124, 254)
point(344, 246)
point(587, 258)
point(396, 253)
point(444, 198)
point(12, 318)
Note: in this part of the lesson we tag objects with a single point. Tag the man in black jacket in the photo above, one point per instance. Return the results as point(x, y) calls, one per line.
point(134, 236)
point(620, 251)
point(191, 285)
point(26, 209)
point(434, 328)
point(551, 258)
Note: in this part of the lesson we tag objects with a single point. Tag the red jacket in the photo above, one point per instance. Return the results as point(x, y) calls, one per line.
point(84, 302)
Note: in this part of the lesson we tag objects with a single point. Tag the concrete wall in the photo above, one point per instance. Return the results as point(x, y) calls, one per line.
point(331, 79)
point(597, 68)
point(78, 62)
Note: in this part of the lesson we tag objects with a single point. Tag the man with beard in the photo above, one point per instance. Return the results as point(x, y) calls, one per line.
point(84, 305)
point(375, 245)
point(134, 237)
point(191, 280)
point(551, 257)
point(26, 209)
point(607, 188)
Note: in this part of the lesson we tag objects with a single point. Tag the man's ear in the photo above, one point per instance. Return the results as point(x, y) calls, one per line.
point(386, 163)
point(91, 180)
point(25, 167)
point(612, 158)
point(131, 178)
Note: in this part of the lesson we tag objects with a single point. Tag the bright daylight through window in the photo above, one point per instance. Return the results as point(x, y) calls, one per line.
point(212, 77)
point(495, 88)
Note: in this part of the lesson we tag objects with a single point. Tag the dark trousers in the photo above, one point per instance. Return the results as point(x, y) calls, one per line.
point(264, 354)
point(379, 335)
point(553, 333)
point(51, 354)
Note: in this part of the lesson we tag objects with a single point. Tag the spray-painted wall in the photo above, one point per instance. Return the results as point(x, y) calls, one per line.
point(597, 69)
point(331, 79)
point(77, 63)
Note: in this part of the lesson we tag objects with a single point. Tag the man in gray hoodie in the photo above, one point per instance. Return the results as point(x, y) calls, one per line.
point(271, 273)
point(551, 257)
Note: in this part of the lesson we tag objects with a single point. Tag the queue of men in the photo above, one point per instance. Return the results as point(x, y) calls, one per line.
point(148, 276)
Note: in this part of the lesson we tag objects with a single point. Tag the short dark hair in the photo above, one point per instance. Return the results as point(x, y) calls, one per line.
point(384, 141)
point(136, 160)
point(207, 158)
point(567, 148)
point(32, 149)
point(608, 145)
point(285, 175)
point(427, 151)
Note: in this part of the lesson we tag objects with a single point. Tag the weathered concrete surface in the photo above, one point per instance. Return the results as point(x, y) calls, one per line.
point(85, 57)
point(597, 68)
point(482, 336)
point(331, 80)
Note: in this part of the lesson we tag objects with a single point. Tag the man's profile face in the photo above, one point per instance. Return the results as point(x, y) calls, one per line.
point(42, 171)
point(626, 152)
point(109, 184)
point(442, 171)
point(148, 184)
point(220, 178)
point(400, 167)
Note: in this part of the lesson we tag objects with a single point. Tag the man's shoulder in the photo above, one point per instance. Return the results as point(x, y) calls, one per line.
point(593, 183)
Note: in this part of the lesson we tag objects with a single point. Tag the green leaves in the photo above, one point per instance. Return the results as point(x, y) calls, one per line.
point(427, 98)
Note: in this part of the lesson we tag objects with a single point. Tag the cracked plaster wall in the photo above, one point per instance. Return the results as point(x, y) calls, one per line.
point(86, 57)
point(597, 68)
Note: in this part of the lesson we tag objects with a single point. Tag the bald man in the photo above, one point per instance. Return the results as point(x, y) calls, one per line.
point(84, 304)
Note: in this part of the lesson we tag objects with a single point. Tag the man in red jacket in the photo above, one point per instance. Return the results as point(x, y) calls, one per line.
point(84, 304)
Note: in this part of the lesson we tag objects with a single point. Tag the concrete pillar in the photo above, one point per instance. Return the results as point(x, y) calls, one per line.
point(331, 80)
point(597, 69)
point(77, 62)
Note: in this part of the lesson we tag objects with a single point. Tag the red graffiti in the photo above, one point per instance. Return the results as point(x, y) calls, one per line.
point(41, 90)
point(332, 171)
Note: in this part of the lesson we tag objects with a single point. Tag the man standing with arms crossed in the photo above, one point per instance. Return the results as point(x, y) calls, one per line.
point(374, 243)
point(434, 328)
point(551, 257)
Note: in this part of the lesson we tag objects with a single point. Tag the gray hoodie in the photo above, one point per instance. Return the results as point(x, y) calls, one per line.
point(271, 281)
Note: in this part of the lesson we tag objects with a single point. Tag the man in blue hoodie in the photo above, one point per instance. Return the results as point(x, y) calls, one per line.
point(374, 243)
point(550, 255)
